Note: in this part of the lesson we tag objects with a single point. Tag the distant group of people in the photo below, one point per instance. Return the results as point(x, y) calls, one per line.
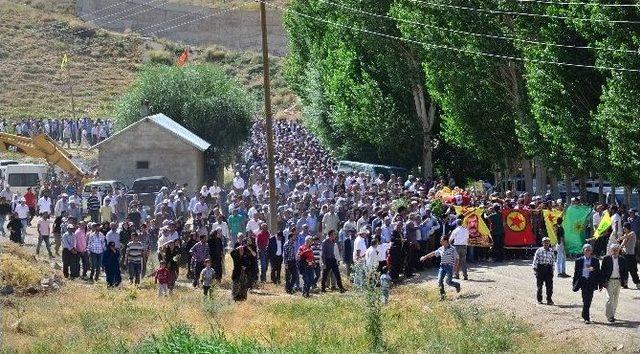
point(67, 131)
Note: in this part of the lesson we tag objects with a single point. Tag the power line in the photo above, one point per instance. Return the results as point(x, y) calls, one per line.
point(516, 13)
point(577, 3)
point(451, 30)
point(233, 8)
point(438, 46)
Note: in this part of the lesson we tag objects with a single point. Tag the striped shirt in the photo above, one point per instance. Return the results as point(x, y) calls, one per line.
point(448, 255)
point(317, 250)
point(93, 203)
point(135, 249)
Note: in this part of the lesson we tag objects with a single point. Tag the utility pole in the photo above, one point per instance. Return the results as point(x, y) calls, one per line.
point(271, 165)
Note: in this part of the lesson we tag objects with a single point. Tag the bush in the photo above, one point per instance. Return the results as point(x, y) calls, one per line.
point(214, 55)
point(160, 57)
point(19, 273)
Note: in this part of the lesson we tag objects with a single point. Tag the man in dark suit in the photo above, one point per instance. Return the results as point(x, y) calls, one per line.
point(586, 277)
point(613, 276)
point(274, 254)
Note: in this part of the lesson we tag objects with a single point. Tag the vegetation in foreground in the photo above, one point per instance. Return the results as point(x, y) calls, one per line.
point(96, 319)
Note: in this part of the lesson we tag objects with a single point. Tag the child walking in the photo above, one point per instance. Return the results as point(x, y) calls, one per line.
point(448, 260)
point(162, 278)
point(206, 277)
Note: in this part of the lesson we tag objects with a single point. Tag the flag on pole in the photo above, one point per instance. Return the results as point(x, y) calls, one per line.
point(517, 231)
point(550, 218)
point(182, 60)
point(64, 62)
point(576, 218)
point(603, 226)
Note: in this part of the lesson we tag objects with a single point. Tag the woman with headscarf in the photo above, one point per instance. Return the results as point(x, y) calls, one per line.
point(241, 256)
point(15, 229)
point(111, 265)
point(216, 252)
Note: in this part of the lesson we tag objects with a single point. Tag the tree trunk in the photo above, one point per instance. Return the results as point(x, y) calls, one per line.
point(527, 173)
point(582, 186)
point(627, 196)
point(612, 196)
point(568, 187)
point(541, 177)
point(496, 179)
point(600, 189)
point(553, 180)
point(427, 118)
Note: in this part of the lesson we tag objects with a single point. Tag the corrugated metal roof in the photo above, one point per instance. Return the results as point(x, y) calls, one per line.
point(170, 125)
point(179, 130)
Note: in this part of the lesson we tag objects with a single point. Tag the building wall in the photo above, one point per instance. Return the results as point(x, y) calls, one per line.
point(167, 155)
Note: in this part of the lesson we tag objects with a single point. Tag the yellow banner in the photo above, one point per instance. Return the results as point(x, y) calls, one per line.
point(479, 233)
point(550, 217)
point(603, 226)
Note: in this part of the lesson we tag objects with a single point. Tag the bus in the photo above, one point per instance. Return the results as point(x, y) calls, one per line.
point(22, 176)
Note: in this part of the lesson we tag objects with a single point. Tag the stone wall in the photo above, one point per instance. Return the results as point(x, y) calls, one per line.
point(238, 30)
point(168, 156)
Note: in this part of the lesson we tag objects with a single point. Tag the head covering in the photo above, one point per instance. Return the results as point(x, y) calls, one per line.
point(546, 239)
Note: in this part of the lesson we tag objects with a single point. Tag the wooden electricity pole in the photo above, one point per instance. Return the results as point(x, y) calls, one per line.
point(271, 173)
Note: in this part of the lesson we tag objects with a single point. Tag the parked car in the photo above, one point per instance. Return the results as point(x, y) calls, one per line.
point(147, 189)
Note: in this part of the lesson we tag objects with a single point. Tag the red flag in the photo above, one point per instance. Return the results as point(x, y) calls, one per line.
point(517, 227)
point(182, 60)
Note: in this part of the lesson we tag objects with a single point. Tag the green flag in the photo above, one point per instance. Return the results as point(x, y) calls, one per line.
point(576, 218)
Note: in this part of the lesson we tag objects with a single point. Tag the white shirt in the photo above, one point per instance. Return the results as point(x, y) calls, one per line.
point(214, 191)
point(382, 251)
point(238, 182)
point(223, 226)
point(596, 219)
point(615, 272)
point(278, 247)
point(459, 236)
point(22, 211)
point(371, 257)
point(359, 245)
point(616, 225)
point(44, 204)
point(253, 226)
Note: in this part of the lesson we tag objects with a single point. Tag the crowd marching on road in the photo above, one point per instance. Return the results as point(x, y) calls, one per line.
point(82, 131)
point(326, 221)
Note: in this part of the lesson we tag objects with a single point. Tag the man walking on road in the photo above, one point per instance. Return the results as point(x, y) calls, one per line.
point(543, 262)
point(460, 239)
point(614, 275)
point(628, 245)
point(586, 277)
point(330, 262)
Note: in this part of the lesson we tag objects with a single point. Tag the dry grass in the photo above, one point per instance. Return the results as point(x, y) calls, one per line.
point(20, 269)
point(100, 320)
point(35, 35)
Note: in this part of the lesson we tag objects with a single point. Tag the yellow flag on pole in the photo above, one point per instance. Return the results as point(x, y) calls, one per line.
point(550, 220)
point(64, 62)
point(479, 233)
point(605, 224)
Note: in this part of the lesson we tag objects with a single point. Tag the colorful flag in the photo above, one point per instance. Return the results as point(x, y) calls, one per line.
point(182, 60)
point(603, 226)
point(479, 233)
point(517, 228)
point(64, 62)
point(575, 221)
point(550, 217)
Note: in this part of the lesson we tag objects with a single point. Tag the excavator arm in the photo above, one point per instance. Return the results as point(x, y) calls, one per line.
point(42, 146)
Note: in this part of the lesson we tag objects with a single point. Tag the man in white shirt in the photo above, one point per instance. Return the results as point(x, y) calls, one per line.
point(238, 182)
point(616, 227)
point(44, 205)
point(460, 239)
point(360, 246)
point(224, 229)
point(253, 225)
point(22, 210)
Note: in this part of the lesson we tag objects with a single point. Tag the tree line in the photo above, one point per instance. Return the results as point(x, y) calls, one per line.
point(474, 85)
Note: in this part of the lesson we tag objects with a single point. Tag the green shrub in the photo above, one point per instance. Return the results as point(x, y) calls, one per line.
point(214, 55)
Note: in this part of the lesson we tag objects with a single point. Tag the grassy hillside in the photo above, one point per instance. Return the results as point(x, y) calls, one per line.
point(35, 35)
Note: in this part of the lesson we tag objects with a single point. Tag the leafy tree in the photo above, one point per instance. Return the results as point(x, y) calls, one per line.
point(199, 97)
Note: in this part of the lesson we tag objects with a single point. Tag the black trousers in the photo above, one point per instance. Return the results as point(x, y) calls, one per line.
point(331, 265)
point(410, 265)
point(70, 264)
point(632, 266)
point(290, 275)
point(544, 276)
point(197, 268)
point(84, 258)
point(498, 248)
point(587, 296)
point(276, 269)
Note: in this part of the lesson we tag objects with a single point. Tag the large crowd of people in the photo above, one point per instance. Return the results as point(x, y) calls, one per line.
point(81, 132)
point(329, 224)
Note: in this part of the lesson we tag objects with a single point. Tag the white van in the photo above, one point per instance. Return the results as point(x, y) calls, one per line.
point(4, 164)
point(20, 177)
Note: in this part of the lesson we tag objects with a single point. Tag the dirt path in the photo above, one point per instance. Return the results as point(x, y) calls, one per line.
point(510, 287)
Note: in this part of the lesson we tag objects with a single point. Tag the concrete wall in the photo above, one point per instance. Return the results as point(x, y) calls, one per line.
point(237, 30)
point(167, 155)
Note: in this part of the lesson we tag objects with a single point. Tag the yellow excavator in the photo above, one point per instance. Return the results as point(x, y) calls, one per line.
point(42, 146)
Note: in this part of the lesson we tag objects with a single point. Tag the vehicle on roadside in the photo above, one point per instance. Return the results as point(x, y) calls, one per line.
point(147, 189)
point(371, 169)
point(19, 177)
point(4, 164)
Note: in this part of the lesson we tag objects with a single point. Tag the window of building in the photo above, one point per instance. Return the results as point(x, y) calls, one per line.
point(142, 165)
